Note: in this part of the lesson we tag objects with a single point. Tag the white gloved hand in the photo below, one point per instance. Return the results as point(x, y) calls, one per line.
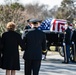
point(43, 57)
point(72, 42)
point(63, 44)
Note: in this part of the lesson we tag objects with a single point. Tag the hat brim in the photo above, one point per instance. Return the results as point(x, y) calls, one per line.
point(35, 20)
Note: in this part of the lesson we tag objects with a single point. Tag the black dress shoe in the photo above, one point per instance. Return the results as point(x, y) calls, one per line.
point(65, 62)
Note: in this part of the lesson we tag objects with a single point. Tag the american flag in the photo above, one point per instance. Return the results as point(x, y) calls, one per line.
point(56, 25)
point(46, 24)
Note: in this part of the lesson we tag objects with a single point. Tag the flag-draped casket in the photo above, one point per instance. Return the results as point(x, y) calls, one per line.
point(54, 25)
point(54, 31)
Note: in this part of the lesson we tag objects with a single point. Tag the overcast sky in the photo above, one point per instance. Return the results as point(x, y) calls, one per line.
point(50, 3)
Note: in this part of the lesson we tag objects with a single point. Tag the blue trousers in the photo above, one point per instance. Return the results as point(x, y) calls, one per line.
point(32, 67)
point(67, 53)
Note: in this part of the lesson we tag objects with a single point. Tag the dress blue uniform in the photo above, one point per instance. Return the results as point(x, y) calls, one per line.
point(35, 41)
point(67, 45)
point(74, 45)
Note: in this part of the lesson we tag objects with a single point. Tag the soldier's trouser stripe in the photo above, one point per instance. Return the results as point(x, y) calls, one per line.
point(65, 56)
point(74, 52)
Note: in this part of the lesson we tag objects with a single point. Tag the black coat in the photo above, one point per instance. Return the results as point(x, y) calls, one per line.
point(35, 41)
point(74, 36)
point(68, 36)
point(11, 41)
point(0, 50)
point(27, 27)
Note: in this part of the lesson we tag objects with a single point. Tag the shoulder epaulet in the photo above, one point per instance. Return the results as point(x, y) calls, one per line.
point(30, 29)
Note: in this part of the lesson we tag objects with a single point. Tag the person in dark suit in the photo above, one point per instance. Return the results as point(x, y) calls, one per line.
point(67, 35)
point(28, 26)
point(73, 39)
point(0, 50)
point(35, 41)
point(10, 53)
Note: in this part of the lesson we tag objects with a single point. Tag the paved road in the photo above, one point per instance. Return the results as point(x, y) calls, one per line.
point(51, 66)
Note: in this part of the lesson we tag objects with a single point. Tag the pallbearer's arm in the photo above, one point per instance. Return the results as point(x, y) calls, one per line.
point(44, 45)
